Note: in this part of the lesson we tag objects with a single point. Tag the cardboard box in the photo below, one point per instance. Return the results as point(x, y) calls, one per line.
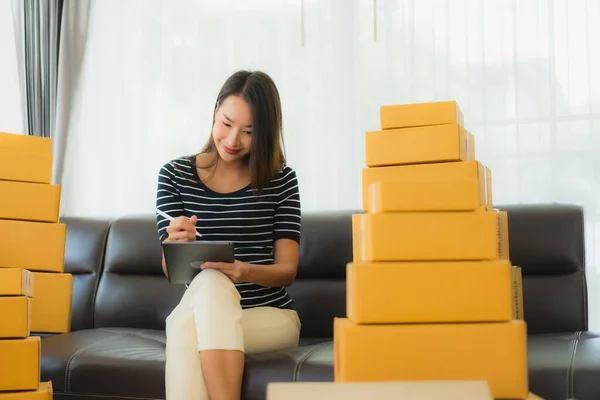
point(420, 114)
point(44, 392)
point(434, 172)
point(14, 317)
point(36, 246)
point(463, 195)
point(25, 158)
point(51, 305)
point(418, 145)
point(430, 390)
point(16, 282)
point(431, 236)
point(494, 352)
point(20, 366)
point(29, 201)
point(430, 292)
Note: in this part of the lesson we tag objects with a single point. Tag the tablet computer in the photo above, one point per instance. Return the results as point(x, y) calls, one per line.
point(183, 259)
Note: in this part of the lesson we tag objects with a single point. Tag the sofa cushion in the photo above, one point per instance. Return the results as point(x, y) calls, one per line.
point(130, 363)
point(133, 291)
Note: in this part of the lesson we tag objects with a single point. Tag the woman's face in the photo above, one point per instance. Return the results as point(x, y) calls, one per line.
point(232, 130)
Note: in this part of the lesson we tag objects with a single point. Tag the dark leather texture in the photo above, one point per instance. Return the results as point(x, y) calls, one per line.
point(121, 300)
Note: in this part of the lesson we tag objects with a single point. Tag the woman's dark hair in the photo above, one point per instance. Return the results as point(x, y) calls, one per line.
point(266, 155)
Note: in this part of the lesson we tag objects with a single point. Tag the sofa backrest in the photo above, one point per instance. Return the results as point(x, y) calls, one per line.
point(118, 280)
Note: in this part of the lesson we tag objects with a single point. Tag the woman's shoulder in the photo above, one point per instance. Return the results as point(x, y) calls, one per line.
point(285, 174)
point(186, 161)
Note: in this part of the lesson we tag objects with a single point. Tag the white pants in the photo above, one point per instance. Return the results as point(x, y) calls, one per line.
point(209, 317)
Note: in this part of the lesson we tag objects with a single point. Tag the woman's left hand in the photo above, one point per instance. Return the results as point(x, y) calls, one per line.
point(236, 271)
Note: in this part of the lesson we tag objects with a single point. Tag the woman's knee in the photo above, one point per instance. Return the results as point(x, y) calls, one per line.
point(211, 284)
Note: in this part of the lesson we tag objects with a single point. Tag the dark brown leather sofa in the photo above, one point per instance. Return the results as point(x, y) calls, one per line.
point(121, 300)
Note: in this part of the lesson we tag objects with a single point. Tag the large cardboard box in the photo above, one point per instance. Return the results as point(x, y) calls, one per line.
point(44, 392)
point(494, 352)
point(20, 366)
point(435, 172)
point(418, 145)
point(430, 390)
point(16, 282)
point(51, 305)
point(463, 195)
point(420, 114)
point(430, 292)
point(29, 201)
point(14, 317)
point(432, 236)
point(25, 158)
point(36, 246)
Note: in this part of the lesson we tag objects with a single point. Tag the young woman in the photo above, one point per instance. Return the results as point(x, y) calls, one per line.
point(238, 189)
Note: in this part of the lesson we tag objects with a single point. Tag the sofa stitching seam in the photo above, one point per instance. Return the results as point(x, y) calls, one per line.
point(100, 272)
point(303, 359)
point(571, 369)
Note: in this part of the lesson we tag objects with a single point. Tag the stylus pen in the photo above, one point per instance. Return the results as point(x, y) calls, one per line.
point(167, 216)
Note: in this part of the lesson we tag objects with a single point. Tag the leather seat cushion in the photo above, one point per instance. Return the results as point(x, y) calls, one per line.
point(125, 362)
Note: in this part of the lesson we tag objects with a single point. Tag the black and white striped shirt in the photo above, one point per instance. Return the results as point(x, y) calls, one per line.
point(251, 221)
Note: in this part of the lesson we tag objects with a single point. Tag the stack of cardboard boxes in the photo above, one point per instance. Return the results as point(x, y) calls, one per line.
point(35, 293)
point(431, 292)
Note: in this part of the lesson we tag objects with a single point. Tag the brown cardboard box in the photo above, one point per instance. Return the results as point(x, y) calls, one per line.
point(20, 366)
point(430, 390)
point(420, 114)
point(463, 195)
point(36, 246)
point(429, 292)
point(25, 158)
point(418, 145)
point(44, 392)
point(16, 282)
point(494, 352)
point(14, 317)
point(29, 201)
point(434, 172)
point(51, 305)
point(424, 390)
point(431, 236)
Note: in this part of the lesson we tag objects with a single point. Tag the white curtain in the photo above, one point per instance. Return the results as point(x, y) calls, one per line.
point(525, 73)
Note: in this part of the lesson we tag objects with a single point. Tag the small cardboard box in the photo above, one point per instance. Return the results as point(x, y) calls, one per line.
point(20, 366)
point(463, 195)
point(418, 145)
point(44, 392)
point(493, 352)
point(429, 292)
point(420, 114)
point(29, 201)
point(35, 246)
point(435, 172)
point(16, 282)
point(51, 305)
point(25, 158)
point(14, 317)
point(431, 236)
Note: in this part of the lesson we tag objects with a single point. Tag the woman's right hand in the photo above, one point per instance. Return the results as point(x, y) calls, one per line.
point(182, 229)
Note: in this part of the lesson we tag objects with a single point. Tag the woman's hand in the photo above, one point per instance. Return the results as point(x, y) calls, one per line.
point(237, 271)
point(182, 229)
